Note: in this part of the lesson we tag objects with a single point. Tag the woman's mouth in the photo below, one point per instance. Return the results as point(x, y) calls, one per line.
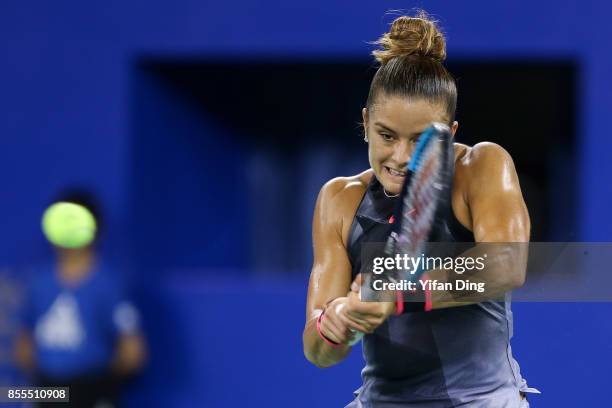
point(395, 173)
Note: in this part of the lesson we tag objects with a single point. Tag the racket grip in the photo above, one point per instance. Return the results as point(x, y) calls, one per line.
point(357, 338)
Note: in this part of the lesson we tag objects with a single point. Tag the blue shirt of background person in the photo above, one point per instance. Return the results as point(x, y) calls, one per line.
point(75, 327)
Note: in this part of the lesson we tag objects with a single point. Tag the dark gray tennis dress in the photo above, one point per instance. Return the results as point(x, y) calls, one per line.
point(455, 357)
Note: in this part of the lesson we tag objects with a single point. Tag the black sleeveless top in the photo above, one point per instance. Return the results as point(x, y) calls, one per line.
point(442, 358)
point(371, 222)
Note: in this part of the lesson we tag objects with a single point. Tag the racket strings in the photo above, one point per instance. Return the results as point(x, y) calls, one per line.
point(422, 195)
point(420, 202)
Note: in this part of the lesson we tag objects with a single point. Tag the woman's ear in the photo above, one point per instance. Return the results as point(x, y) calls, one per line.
point(454, 128)
point(364, 117)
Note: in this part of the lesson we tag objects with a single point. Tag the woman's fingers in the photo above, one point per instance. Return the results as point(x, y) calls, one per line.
point(363, 310)
point(333, 321)
point(331, 331)
point(345, 316)
point(352, 323)
point(355, 322)
point(360, 326)
point(368, 315)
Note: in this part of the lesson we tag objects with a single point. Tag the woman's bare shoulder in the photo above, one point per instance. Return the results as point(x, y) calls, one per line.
point(471, 156)
point(339, 199)
point(341, 189)
point(479, 165)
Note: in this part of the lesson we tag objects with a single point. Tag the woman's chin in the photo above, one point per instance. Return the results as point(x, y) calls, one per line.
point(391, 182)
point(391, 187)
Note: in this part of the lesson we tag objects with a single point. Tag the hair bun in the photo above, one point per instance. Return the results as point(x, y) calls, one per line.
point(412, 36)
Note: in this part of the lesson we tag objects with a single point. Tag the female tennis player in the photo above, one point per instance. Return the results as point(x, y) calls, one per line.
point(446, 356)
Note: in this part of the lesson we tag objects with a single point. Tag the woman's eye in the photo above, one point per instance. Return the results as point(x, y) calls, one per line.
point(386, 137)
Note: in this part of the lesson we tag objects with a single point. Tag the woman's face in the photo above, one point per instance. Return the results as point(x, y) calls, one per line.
point(393, 125)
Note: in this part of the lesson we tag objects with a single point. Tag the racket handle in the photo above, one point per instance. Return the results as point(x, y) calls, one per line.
point(357, 334)
point(357, 338)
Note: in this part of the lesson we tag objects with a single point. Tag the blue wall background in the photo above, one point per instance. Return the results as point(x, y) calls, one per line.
point(77, 108)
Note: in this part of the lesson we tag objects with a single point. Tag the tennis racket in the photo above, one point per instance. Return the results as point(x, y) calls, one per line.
point(429, 176)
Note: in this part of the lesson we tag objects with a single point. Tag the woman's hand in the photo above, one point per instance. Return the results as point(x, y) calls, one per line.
point(344, 316)
point(335, 325)
point(365, 316)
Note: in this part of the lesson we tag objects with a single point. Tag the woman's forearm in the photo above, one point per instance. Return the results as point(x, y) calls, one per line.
point(319, 352)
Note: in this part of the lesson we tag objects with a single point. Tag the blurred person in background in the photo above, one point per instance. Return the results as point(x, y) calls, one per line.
point(78, 328)
point(10, 299)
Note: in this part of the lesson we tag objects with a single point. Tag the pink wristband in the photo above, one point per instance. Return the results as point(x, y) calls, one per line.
point(425, 305)
point(325, 339)
point(428, 304)
point(399, 303)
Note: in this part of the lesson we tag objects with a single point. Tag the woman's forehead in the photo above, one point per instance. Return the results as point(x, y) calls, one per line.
point(406, 111)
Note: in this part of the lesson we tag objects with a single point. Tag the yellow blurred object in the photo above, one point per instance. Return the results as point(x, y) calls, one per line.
point(69, 225)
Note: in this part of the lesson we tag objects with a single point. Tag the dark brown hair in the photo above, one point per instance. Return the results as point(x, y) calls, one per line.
point(410, 58)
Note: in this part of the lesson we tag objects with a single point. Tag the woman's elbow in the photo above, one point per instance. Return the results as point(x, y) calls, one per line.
point(317, 362)
point(314, 356)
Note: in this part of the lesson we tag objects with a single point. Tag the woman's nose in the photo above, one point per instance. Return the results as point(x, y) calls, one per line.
point(402, 153)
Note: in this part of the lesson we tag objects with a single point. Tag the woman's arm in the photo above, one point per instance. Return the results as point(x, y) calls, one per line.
point(497, 209)
point(500, 222)
point(330, 278)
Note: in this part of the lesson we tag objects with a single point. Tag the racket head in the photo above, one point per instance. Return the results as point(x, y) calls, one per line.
point(428, 180)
